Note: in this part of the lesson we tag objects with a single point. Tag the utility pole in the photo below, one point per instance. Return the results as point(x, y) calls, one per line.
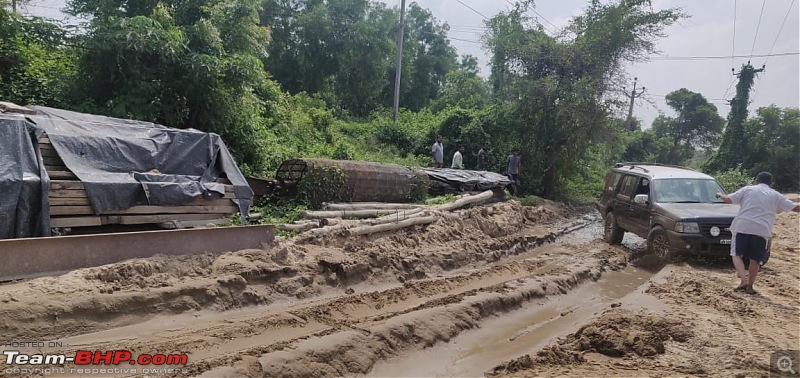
point(729, 155)
point(14, 6)
point(399, 64)
point(629, 122)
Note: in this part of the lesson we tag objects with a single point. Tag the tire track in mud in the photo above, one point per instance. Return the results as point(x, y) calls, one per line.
point(345, 335)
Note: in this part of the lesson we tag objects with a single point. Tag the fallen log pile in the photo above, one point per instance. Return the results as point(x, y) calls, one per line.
point(365, 218)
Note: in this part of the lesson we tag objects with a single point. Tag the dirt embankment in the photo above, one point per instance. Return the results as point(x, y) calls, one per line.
point(117, 294)
point(511, 291)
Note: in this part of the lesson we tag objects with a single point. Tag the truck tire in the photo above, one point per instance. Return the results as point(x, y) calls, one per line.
point(612, 232)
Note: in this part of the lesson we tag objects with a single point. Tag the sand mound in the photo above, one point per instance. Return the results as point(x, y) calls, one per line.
point(617, 333)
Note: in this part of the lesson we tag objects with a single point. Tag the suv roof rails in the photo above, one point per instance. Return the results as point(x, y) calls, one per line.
point(635, 165)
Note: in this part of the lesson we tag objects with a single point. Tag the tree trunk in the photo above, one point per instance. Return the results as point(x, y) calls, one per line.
point(365, 230)
point(485, 196)
point(549, 177)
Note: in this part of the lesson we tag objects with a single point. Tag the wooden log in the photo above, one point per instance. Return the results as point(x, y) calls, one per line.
point(401, 213)
point(327, 230)
point(297, 227)
point(348, 213)
point(393, 219)
point(365, 230)
point(10, 107)
point(370, 206)
point(461, 202)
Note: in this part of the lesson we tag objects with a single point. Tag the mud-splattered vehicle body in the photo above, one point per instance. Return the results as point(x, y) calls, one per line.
point(674, 208)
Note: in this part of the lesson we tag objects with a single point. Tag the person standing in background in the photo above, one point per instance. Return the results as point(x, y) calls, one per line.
point(437, 152)
point(483, 158)
point(458, 158)
point(512, 170)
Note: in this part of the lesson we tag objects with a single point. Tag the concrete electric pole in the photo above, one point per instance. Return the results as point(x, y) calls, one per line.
point(399, 64)
point(629, 124)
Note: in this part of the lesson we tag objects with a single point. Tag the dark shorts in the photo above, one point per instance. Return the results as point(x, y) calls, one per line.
point(753, 247)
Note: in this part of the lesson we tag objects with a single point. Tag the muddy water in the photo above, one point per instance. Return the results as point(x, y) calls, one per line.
point(524, 331)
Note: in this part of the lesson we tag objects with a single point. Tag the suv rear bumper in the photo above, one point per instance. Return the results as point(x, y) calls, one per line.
point(698, 244)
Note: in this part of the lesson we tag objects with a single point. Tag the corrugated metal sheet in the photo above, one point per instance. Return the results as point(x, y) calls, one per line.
point(363, 181)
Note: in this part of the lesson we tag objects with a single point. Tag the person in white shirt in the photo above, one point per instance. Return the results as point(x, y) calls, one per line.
point(752, 226)
point(458, 158)
point(437, 152)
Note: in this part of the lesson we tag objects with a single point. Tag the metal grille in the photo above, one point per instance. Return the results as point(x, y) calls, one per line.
point(724, 229)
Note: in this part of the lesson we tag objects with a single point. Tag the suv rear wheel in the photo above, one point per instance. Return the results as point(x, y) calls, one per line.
point(658, 243)
point(612, 232)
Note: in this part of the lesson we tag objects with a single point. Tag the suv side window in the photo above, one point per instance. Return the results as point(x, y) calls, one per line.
point(628, 184)
point(612, 180)
point(644, 187)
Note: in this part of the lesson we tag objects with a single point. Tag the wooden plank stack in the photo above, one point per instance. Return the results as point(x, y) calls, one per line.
point(70, 207)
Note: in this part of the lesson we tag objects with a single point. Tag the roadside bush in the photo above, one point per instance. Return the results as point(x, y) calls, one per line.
point(733, 179)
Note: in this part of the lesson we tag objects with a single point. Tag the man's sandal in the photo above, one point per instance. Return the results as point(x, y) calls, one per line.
point(740, 288)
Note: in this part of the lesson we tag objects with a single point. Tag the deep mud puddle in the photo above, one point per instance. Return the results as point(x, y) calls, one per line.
point(502, 338)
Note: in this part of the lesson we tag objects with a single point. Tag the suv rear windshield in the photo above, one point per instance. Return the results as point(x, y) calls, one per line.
point(687, 191)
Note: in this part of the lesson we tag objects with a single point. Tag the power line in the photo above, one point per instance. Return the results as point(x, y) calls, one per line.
point(773, 45)
point(543, 18)
point(473, 9)
point(779, 30)
point(465, 40)
point(758, 26)
point(544, 27)
point(733, 43)
point(721, 56)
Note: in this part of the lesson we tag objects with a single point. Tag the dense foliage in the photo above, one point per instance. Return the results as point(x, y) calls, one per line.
point(280, 79)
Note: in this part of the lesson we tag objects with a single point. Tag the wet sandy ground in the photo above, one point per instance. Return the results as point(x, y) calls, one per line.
point(518, 292)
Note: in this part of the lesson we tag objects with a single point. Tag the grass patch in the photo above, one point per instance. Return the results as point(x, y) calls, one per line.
point(440, 200)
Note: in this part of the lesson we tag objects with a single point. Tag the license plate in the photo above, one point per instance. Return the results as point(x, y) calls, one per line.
point(725, 241)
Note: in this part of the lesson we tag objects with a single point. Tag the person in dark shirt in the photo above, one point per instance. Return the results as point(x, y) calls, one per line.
point(483, 158)
point(513, 168)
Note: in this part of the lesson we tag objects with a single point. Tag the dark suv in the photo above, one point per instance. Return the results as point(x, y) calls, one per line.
point(674, 208)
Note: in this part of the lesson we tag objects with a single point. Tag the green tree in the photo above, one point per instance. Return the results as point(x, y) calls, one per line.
point(733, 143)
point(646, 146)
point(462, 89)
point(182, 64)
point(557, 89)
point(773, 145)
point(697, 125)
point(36, 60)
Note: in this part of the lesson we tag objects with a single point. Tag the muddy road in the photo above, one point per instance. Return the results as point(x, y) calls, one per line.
point(497, 290)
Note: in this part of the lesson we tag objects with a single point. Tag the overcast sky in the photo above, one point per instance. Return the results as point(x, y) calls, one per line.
point(708, 32)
